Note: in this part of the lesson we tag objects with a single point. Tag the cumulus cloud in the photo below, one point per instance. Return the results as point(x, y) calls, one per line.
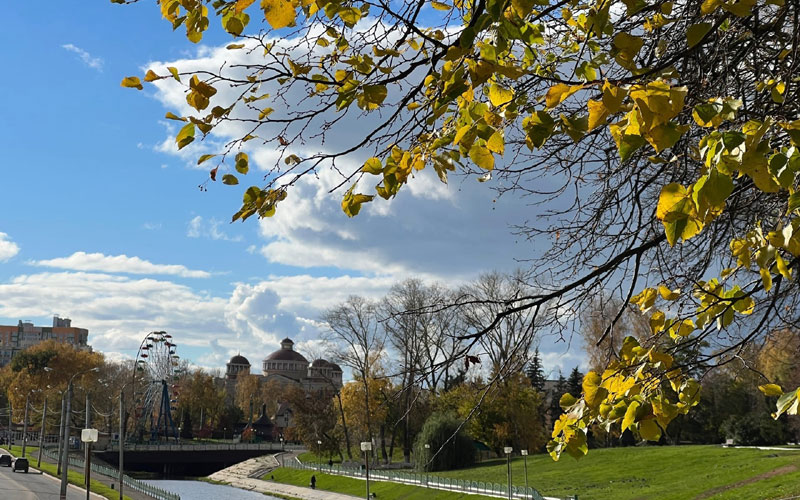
point(87, 59)
point(430, 230)
point(8, 248)
point(200, 228)
point(82, 261)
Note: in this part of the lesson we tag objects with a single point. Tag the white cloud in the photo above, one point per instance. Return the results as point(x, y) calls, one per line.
point(430, 230)
point(82, 261)
point(199, 228)
point(151, 226)
point(87, 58)
point(564, 361)
point(8, 248)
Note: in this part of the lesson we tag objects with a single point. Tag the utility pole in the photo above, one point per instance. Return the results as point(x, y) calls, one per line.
point(65, 451)
point(87, 447)
point(41, 433)
point(121, 438)
point(60, 434)
point(25, 426)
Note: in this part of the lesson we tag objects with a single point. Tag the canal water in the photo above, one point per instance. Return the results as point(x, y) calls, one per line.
point(199, 490)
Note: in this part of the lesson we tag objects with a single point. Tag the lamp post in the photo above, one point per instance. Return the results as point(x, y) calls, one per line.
point(25, 425)
point(41, 433)
point(366, 447)
point(524, 454)
point(88, 436)
point(427, 459)
point(10, 414)
point(319, 454)
point(65, 451)
point(507, 450)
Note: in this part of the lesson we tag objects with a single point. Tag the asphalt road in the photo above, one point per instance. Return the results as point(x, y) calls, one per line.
point(34, 486)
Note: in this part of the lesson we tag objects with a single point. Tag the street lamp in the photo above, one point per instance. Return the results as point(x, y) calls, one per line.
point(427, 459)
point(67, 414)
point(524, 454)
point(507, 450)
point(319, 454)
point(25, 420)
point(366, 447)
point(88, 436)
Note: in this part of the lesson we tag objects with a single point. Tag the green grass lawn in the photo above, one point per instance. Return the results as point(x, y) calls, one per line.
point(357, 487)
point(655, 472)
point(73, 476)
point(311, 458)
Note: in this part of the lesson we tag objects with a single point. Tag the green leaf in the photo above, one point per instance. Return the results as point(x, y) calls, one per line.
point(481, 156)
point(242, 163)
point(132, 82)
point(230, 179)
point(185, 135)
point(696, 32)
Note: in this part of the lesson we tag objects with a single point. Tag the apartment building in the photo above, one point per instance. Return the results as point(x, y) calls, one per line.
point(15, 338)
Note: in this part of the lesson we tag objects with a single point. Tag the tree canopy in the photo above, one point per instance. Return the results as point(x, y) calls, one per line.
point(660, 137)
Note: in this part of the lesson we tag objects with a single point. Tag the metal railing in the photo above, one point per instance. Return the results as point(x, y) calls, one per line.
point(148, 489)
point(426, 480)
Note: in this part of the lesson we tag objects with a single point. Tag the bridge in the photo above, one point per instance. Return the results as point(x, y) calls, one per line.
point(187, 459)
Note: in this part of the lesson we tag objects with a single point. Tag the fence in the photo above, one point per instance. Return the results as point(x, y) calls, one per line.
point(427, 480)
point(148, 489)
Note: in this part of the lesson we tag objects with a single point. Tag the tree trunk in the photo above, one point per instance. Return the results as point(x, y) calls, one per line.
point(344, 427)
point(383, 443)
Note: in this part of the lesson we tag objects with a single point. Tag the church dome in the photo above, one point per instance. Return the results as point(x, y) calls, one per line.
point(239, 360)
point(286, 353)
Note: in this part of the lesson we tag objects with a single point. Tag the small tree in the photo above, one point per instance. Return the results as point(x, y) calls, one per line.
point(535, 373)
point(450, 447)
point(574, 382)
point(186, 426)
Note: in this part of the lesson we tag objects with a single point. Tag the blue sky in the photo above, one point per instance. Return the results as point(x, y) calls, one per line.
point(104, 223)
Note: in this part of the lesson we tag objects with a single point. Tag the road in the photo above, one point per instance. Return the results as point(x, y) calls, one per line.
point(34, 486)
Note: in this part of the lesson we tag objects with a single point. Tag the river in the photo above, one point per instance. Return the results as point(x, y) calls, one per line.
point(199, 490)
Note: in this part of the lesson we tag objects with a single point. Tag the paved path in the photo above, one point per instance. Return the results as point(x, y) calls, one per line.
point(245, 475)
point(96, 476)
point(36, 485)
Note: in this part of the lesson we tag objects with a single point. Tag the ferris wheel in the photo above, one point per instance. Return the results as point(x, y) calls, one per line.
point(155, 374)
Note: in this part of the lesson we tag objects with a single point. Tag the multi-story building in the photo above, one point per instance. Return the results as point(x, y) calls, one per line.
point(287, 367)
point(16, 338)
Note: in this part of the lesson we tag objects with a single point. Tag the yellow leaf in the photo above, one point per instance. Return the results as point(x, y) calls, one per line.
point(630, 416)
point(613, 97)
point(559, 92)
point(710, 6)
point(500, 96)
point(440, 6)
point(278, 13)
point(771, 389)
point(482, 157)
point(627, 47)
point(174, 72)
point(241, 5)
point(185, 135)
point(766, 279)
point(650, 430)
point(496, 143)
point(151, 76)
point(597, 114)
point(668, 294)
point(132, 82)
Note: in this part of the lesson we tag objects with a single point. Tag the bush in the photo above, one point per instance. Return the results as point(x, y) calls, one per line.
point(450, 447)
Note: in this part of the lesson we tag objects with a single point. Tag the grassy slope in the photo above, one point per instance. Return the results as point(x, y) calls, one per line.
point(357, 487)
point(73, 476)
point(663, 473)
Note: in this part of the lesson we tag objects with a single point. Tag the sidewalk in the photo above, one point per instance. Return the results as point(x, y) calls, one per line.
point(106, 480)
point(245, 475)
